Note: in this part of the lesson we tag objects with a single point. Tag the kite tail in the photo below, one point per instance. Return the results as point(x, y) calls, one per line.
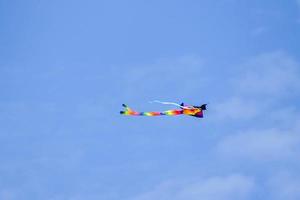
point(129, 111)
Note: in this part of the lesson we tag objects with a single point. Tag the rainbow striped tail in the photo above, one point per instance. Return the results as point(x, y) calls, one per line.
point(129, 111)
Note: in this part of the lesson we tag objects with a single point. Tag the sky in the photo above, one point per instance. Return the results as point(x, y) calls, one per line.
point(67, 66)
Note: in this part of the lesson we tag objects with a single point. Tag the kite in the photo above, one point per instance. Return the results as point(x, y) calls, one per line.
point(194, 111)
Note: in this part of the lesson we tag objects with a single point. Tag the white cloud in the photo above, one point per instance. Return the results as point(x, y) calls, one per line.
point(179, 76)
point(271, 74)
point(259, 87)
point(214, 188)
point(259, 31)
point(8, 194)
point(284, 186)
point(285, 117)
point(236, 108)
point(266, 80)
point(260, 145)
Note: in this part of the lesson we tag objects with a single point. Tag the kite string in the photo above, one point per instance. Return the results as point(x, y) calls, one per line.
point(169, 103)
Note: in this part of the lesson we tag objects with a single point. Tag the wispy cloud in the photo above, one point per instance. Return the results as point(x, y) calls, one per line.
point(258, 98)
point(8, 194)
point(259, 31)
point(236, 108)
point(179, 76)
point(274, 74)
point(284, 186)
point(262, 83)
point(212, 188)
point(261, 145)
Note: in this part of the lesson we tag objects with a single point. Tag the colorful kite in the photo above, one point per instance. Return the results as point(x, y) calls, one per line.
point(195, 111)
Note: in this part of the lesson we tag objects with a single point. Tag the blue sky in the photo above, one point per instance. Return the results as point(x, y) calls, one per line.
point(67, 66)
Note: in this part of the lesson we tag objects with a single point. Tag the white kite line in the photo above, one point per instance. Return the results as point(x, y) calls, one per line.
point(171, 103)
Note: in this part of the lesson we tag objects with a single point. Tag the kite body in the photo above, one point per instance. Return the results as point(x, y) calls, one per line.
point(195, 111)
